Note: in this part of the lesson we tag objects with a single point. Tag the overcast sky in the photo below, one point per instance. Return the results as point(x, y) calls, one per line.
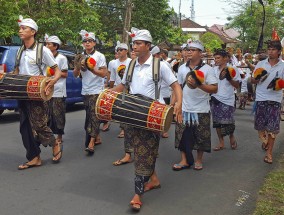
point(207, 12)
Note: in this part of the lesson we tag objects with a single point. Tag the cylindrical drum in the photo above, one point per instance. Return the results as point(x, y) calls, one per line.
point(23, 87)
point(136, 110)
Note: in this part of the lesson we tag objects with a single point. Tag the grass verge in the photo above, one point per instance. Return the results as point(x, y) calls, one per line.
point(271, 195)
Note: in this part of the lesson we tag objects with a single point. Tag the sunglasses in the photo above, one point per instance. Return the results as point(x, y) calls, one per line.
point(191, 50)
point(85, 41)
point(120, 50)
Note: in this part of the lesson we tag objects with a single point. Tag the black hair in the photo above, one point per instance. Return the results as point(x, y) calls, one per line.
point(274, 44)
point(221, 52)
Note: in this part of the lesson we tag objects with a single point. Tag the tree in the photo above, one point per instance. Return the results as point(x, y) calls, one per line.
point(211, 41)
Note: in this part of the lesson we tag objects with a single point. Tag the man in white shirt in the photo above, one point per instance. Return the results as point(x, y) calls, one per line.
point(92, 85)
point(33, 114)
point(57, 106)
point(223, 102)
point(268, 97)
point(146, 142)
point(198, 81)
point(244, 89)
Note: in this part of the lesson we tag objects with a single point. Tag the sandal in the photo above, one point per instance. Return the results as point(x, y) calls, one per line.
point(136, 205)
point(27, 165)
point(106, 127)
point(198, 166)
point(218, 148)
point(267, 160)
point(120, 162)
point(54, 159)
point(149, 186)
point(234, 145)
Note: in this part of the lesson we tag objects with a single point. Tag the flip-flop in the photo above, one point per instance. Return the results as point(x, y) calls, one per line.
point(55, 155)
point(106, 129)
point(178, 167)
point(27, 166)
point(132, 203)
point(90, 150)
point(218, 148)
point(120, 162)
point(267, 160)
point(198, 166)
point(234, 145)
point(120, 136)
point(150, 186)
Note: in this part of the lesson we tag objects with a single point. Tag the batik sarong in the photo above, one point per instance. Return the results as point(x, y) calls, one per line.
point(57, 110)
point(267, 116)
point(201, 134)
point(223, 117)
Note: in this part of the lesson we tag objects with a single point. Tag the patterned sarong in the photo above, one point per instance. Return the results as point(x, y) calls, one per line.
point(128, 145)
point(223, 116)
point(201, 133)
point(146, 146)
point(267, 116)
point(57, 110)
point(92, 123)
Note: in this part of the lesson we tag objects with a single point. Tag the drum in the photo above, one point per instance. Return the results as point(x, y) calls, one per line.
point(136, 110)
point(23, 87)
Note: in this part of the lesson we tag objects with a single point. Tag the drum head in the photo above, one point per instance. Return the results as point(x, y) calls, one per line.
point(169, 118)
point(43, 84)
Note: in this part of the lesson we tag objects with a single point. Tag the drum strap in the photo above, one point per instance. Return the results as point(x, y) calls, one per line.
point(39, 50)
point(155, 73)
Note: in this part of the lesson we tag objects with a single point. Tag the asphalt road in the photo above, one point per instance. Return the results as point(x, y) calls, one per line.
point(227, 185)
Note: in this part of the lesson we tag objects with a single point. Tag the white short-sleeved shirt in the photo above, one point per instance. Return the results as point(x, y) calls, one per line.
point(142, 79)
point(91, 83)
point(114, 70)
point(28, 64)
point(165, 90)
point(196, 100)
point(244, 87)
point(225, 93)
point(60, 86)
point(264, 94)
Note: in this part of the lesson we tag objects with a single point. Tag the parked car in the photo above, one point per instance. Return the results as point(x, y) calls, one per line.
point(73, 85)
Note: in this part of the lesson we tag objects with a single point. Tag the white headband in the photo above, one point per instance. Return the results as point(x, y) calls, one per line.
point(27, 22)
point(85, 35)
point(52, 39)
point(196, 44)
point(137, 34)
point(121, 45)
point(155, 50)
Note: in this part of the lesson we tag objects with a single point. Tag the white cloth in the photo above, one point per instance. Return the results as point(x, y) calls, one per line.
point(155, 50)
point(60, 86)
point(52, 39)
point(137, 34)
point(225, 93)
point(27, 22)
point(121, 45)
point(114, 72)
point(244, 87)
point(28, 64)
point(142, 80)
point(196, 44)
point(196, 100)
point(264, 94)
point(85, 35)
point(91, 83)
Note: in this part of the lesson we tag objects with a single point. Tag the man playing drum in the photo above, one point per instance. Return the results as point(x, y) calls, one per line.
point(92, 85)
point(57, 107)
point(145, 142)
point(33, 114)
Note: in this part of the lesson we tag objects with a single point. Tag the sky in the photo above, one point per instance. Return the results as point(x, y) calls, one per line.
point(207, 12)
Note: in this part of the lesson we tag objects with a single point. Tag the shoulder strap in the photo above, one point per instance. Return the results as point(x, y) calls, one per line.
point(39, 50)
point(156, 75)
point(19, 55)
point(195, 68)
point(129, 75)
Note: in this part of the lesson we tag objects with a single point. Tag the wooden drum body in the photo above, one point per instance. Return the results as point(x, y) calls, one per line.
point(23, 87)
point(137, 110)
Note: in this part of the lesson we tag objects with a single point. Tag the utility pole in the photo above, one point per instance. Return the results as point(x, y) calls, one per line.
point(179, 21)
point(127, 20)
point(192, 11)
point(260, 40)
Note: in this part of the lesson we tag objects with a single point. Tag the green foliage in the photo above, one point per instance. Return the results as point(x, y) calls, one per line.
point(211, 41)
point(247, 20)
